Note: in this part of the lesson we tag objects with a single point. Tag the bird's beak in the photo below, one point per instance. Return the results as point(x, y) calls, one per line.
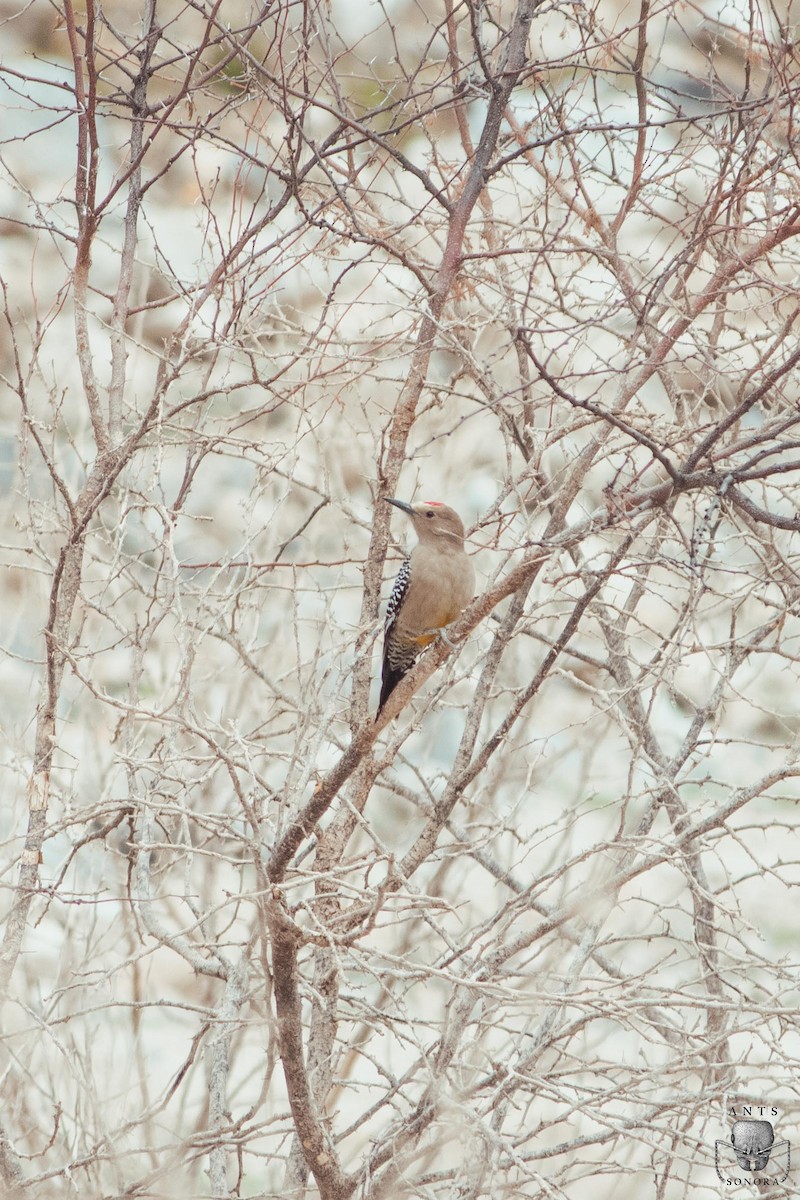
point(401, 504)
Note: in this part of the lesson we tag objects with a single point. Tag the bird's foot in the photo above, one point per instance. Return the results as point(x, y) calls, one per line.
point(443, 635)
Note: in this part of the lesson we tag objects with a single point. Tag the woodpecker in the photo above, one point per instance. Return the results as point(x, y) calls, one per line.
point(433, 585)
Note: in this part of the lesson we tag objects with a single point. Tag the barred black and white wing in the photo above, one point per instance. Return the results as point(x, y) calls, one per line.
point(398, 595)
point(397, 656)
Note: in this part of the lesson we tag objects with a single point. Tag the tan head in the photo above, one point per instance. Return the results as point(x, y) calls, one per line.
point(434, 523)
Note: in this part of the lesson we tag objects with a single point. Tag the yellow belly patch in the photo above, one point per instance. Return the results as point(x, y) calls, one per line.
point(425, 639)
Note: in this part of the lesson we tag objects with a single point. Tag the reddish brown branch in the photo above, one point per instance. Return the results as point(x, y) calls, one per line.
point(641, 137)
point(511, 68)
point(317, 1147)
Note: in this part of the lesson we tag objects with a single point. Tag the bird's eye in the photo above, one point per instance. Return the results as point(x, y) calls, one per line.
point(429, 513)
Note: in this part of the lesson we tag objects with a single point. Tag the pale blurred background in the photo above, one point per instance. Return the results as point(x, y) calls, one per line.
point(213, 638)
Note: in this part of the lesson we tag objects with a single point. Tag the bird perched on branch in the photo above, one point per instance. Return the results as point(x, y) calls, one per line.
point(433, 585)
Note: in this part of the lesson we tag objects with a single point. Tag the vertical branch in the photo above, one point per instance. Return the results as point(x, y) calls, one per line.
point(637, 178)
point(317, 1146)
point(459, 103)
point(506, 79)
point(63, 592)
point(119, 312)
point(324, 1014)
point(320, 1045)
point(218, 1058)
point(85, 199)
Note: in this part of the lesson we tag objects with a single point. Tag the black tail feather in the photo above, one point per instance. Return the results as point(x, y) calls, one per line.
point(389, 681)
